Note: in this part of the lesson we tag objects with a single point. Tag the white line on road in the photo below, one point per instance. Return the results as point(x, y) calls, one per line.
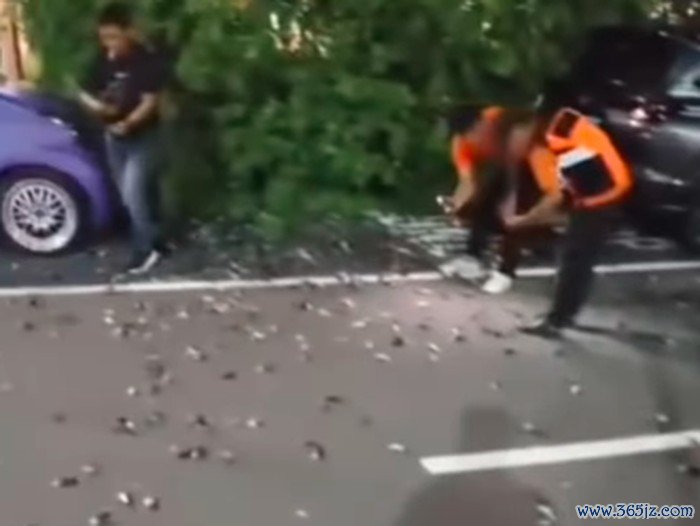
point(215, 286)
point(320, 281)
point(577, 452)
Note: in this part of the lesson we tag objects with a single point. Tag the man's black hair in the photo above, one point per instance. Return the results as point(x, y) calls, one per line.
point(116, 14)
point(462, 118)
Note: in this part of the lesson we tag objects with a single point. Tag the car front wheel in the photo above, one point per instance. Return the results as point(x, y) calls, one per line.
point(42, 212)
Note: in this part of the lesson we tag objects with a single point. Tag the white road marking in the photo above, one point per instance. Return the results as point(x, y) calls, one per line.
point(221, 286)
point(319, 281)
point(547, 455)
point(648, 267)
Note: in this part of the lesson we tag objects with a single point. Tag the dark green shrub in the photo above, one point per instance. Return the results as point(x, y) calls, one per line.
point(346, 115)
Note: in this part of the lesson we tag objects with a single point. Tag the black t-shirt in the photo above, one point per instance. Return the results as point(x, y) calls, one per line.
point(124, 81)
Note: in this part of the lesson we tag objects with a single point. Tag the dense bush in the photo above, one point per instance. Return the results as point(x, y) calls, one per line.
point(289, 110)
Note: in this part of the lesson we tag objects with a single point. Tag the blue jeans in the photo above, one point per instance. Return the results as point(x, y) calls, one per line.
point(132, 161)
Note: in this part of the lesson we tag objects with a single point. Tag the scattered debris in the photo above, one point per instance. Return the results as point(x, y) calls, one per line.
point(257, 336)
point(90, 470)
point(65, 482)
point(101, 518)
point(306, 256)
point(227, 456)
point(397, 448)
point(150, 503)
point(125, 498)
point(254, 423)
point(383, 358)
point(229, 376)
point(324, 313)
point(575, 389)
point(124, 426)
point(360, 324)
point(662, 419)
point(546, 513)
point(349, 303)
point(195, 453)
point(305, 306)
point(27, 326)
point(315, 451)
point(531, 429)
point(35, 302)
point(331, 401)
point(458, 336)
point(265, 368)
point(398, 341)
point(199, 421)
point(108, 317)
point(434, 348)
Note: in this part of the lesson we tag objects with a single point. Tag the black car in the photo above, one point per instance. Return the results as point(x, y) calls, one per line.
point(643, 87)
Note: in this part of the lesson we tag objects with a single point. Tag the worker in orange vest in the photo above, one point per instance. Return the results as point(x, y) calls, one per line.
point(478, 139)
point(578, 173)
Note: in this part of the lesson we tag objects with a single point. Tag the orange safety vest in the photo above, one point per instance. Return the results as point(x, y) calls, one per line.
point(579, 159)
point(467, 154)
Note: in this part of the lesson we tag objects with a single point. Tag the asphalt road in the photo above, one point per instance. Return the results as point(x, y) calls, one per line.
point(315, 406)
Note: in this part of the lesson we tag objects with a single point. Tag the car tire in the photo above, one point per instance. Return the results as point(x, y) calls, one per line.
point(42, 212)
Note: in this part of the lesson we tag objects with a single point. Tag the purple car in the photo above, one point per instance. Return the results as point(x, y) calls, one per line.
point(54, 187)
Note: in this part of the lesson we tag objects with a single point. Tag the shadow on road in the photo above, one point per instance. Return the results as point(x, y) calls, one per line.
point(668, 407)
point(650, 343)
point(491, 498)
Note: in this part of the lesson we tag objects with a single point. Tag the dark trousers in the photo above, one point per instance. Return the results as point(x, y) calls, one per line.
point(487, 221)
point(515, 242)
point(583, 244)
point(483, 213)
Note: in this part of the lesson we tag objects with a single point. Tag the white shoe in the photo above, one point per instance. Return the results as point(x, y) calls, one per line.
point(498, 283)
point(144, 265)
point(463, 267)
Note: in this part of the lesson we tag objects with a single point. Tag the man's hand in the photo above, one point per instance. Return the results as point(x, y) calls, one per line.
point(98, 108)
point(446, 203)
point(463, 194)
point(107, 111)
point(515, 223)
point(547, 212)
point(120, 129)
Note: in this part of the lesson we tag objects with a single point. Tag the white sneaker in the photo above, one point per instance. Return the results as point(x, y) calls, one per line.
point(144, 265)
point(463, 267)
point(498, 283)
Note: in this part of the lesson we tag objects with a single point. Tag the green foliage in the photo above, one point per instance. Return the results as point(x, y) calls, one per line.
point(283, 126)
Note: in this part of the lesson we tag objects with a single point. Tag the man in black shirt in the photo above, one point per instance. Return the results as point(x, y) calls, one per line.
point(122, 88)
